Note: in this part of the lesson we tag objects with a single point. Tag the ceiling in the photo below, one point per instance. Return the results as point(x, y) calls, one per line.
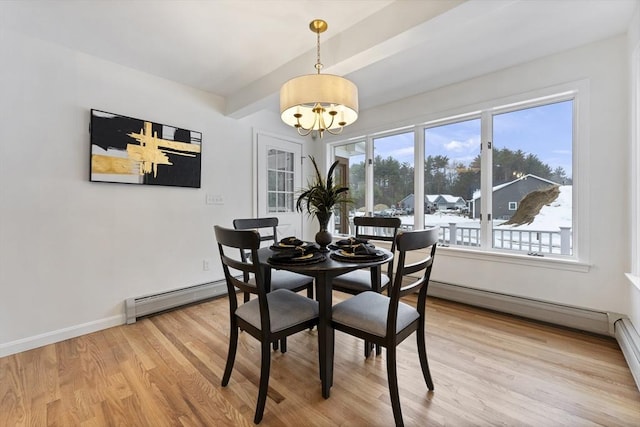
point(243, 50)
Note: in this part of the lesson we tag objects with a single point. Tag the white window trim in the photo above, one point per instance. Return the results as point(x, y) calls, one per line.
point(576, 90)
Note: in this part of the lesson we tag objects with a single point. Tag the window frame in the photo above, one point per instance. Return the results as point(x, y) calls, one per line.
point(578, 91)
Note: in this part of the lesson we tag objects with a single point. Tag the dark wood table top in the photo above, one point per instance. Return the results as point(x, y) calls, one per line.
point(336, 267)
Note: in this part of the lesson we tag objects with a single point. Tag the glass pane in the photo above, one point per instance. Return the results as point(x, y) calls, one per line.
point(393, 176)
point(281, 181)
point(281, 202)
point(285, 161)
point(272, 202)
point(532, 170)
point(271, 159)
point(452, 181)
point(289, 165)
point(271, 186)
point(351, 173)
point(289, 183)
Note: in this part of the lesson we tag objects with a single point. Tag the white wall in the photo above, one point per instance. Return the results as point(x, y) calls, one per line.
point(604, 66)
point(634, 158)
point(72, 251)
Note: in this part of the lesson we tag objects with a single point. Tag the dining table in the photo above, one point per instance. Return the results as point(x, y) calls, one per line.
point(323, 273)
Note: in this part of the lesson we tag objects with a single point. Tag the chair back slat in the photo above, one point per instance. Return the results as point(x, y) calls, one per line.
point(406, 281)
point(391, 224)
point(267, 228)
point(260, 225)
point(245, 241)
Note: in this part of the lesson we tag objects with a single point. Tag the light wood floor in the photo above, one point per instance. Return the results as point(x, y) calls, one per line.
point(489, 369)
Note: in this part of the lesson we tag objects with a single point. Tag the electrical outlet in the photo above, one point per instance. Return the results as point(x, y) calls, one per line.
point(214, 199)
point(205, 265)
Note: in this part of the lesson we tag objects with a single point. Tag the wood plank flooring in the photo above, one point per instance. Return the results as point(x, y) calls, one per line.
point(489, 369)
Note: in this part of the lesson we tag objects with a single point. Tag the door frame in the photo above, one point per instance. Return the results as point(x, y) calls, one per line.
point(255, 169)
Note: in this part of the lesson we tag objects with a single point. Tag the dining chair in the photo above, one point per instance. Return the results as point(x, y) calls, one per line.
point(385, 320)
point(280, 279)
point(354, 282)
point(270, 317)
point(386, 229)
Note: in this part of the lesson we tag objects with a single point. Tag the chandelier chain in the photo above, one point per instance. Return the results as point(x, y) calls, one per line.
point(318, 63)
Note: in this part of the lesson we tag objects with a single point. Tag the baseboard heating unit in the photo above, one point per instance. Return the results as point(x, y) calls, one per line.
point(598, 322)
point(629, 342)
point(155, 303)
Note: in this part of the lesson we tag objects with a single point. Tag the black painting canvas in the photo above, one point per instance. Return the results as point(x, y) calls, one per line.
point(135, 151)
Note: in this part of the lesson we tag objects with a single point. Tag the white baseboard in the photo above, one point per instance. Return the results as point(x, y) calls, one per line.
point(629, 342)
point(145, 305)
point(36, 341)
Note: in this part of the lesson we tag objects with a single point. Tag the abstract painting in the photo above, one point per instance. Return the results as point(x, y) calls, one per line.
point(135, 151)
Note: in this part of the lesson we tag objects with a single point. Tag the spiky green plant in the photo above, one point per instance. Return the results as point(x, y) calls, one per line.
point(321, 196)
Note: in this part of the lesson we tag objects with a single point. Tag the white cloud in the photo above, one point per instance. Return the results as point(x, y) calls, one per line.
point(460, 146)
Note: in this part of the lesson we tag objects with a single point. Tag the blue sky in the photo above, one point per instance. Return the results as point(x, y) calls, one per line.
point(545, 131)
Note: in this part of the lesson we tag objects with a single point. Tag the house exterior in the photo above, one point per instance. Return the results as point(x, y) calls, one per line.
point(434, 202)
point(443, 202)
point(507, 196)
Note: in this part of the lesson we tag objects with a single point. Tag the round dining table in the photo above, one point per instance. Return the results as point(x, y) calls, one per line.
point(323, 273)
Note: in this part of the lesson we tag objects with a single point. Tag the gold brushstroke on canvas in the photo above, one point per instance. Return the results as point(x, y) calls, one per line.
point(113, 165)
point(149, 153)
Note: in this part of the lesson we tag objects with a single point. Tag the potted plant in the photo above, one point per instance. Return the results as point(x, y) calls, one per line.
point(320, 198)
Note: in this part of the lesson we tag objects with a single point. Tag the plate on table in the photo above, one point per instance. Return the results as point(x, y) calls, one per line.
point(283, 247)
point(311, 258)
point(342, 255)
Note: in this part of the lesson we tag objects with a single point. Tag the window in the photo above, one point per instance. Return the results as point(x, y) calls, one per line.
point(532, 162)
point(351, 173)
point(280, 189)
point(499, 179)
point(452, 180)
point(393, 173)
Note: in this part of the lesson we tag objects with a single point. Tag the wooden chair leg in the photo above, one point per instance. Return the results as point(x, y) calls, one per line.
point(392, 376)
point(283, 345)
point(231, 356)
point(275, 345)
point(265, 367)
point(247, 296)
point(310, 291)
point(422, 352)
point(367, 349)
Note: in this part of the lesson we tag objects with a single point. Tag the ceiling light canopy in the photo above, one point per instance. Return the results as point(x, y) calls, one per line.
point(319, 102)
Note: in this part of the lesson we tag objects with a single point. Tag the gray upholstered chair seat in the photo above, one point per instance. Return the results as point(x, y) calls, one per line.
point(368, 312)
point(282, 279)
point(286, 309)
point(358, 281)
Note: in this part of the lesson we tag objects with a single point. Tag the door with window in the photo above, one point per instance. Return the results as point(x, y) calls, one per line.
point(278, 178)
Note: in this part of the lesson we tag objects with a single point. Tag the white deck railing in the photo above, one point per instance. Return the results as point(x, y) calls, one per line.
point(535, 242)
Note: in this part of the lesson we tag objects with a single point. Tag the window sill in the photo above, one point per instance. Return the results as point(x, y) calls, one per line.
point(635, 280)
point(515, 258)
